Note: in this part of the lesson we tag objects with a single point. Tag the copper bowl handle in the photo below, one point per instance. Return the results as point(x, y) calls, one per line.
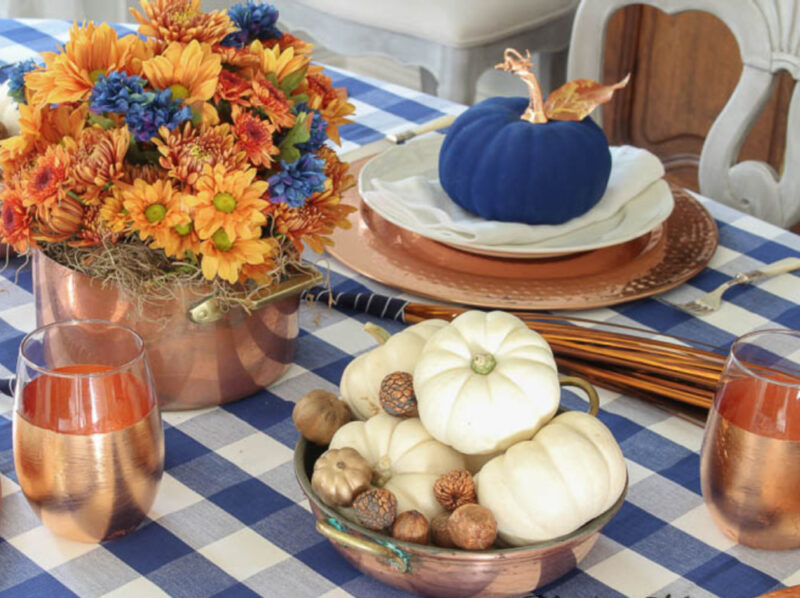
point(585, 386)
point(350, 541)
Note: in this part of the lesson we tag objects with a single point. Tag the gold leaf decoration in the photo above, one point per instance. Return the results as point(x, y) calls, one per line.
point(576, 99)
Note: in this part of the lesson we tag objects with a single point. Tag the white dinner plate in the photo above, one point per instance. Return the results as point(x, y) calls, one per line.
point(637, 217)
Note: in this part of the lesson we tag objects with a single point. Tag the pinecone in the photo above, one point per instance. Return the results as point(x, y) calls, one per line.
point(397, 395)
point(454, 489)
point(376, 508)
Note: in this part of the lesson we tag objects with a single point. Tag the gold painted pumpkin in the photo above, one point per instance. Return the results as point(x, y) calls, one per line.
point(339, 476)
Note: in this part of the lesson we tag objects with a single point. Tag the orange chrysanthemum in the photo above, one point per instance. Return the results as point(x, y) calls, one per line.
point(59, 221)
point(232, 88)
point(190, 71)
point(332, 103)
point(240, 58)
point(149, 173)
point(254, 137)
point(274, 103)
point(153, 208)
point(288, 40)
point(177, 241)
point(113, 215)
point(225, 258)
point(70, 75)
point(185, 152)
point(228, 200)
point(93, 232)
point(45, 183)
point(182, 21)
point(99, 161)
point(16, 220)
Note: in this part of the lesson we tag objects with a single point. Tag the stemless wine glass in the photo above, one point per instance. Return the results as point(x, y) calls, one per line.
point(87, 434)
point(750, 458)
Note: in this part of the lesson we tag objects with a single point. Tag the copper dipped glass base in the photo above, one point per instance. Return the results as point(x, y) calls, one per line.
point(650, 264)
point(90, 487)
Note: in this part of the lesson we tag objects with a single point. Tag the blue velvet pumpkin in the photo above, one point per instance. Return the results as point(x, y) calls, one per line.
point(502, 168)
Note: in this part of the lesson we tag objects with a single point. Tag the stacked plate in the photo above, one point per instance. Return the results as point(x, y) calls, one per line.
point(655, 239)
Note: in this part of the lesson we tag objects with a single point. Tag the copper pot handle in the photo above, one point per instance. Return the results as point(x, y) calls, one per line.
point(350, 541)
point(585, 386)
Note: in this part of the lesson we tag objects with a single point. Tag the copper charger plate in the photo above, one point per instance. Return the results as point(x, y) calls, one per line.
point(651, 264)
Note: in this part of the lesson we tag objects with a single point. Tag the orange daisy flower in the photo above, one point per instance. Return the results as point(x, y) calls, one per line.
point(113, 214)
point(230, 201)
point(69, 76)
point(232, 88)
point(99, 161)
point(153, 208)
point(281, 63)
point(45, 183)
point(273, 101)
point(185, 153)
point(261, 274)
point(254, 137)
point(182, 21)
point(16, 221)
point(225, 258)
point(176, 241)
point(190, 71)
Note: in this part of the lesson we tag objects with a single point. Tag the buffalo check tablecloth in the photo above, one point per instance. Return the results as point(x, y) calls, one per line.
point(230, 519)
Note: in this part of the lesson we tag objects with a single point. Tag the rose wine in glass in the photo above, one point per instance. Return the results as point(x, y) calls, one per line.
point(87, 433)
point(750, 459)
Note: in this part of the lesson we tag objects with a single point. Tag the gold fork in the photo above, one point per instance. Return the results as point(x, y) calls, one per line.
point(711, 302)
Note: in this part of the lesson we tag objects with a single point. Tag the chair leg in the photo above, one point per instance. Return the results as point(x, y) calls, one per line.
point(552, 70)
point(429, 83)
point(457, 76)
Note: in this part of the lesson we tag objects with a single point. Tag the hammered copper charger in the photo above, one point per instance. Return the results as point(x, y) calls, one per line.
point(651, 264)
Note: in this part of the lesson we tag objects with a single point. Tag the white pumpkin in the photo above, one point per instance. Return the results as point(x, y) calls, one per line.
point(485, 382)
point(9, 112)
point(404, 458)
point(361, 380)
point(569, 473)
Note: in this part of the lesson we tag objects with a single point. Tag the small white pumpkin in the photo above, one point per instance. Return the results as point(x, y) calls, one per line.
point(9, 112)
point(404, 458)
point(485, 382)
point(569, 473)
point(361, 380)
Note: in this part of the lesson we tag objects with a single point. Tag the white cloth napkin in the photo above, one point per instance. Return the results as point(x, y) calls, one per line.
point(420, 204)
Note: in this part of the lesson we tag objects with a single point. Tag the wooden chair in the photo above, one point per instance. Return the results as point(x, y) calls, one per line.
point(768, 35)
point(453, 41)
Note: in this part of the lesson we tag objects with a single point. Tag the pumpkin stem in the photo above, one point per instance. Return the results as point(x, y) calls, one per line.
point(379, 334)
point(382, 472)
point(483, 363)
point(515, 63)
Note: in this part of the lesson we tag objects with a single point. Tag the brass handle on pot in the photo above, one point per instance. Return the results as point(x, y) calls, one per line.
point(361, 544)
point(211, 309)
point(585, 386)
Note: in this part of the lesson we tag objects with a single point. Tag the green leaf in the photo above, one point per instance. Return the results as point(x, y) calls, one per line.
point(292, 81)
point(299, 133)
point(273, 78)
point(103, 121)
point(300, 98)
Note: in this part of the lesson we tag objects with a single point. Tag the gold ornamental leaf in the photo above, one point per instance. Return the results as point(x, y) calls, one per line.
point(576, 99)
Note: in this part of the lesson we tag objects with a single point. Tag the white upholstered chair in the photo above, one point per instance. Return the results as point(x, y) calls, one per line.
point(768, 34)
point(453, 41)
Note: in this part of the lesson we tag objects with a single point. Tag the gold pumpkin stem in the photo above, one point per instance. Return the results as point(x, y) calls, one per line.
point(516, 64)
point(377, 332)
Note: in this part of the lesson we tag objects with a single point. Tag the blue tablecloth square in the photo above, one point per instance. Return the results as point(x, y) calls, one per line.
point(209, 474)
point(41, 586)
point(728, 577)
point(250, 501)
point(291, 528)
point(15, 566)
point(621, 427)
point(313, 353)
point(732, 235)
point(577, 584)
point(685, 472)
point(789, 318)
point(676, 550)
point(192, 576)
point(285, 433)
point(262, 410)
point(359, 134)
point(653, 451)
point(332, 372)
point(772, 251)
point(632, 524)
point(325, 560)
point(180, 448)
point(367, 587)
point(653, 314)
point(237, 591)
point(148, 548)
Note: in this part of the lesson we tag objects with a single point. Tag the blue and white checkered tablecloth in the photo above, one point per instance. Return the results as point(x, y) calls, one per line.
point(230, 519)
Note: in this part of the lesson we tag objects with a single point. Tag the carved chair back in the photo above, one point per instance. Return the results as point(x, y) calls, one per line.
point(768, 35)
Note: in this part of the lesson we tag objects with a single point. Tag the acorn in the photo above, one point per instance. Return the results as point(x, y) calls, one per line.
point(454, 489)
point(411, 526)
point(472, 527)
point(397, 395)
point(376, 508)
point(439, 533)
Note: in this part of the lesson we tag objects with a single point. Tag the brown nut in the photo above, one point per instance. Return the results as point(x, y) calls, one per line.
point(319, 414)
point(439, 533)
point(472, 527)
point(412, 526)
point(376, 508)
point(397, 395)
point(454, 489)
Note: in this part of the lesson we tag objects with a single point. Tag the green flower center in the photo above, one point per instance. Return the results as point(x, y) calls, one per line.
point(183, 229)
point(179, 92)
point(155, 213)
point(95, 75)
point(221, 240)
point(224, 202)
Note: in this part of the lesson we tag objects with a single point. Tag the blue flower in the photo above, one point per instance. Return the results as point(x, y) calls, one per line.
point(116, 93)
point(318, 131)
point(158, 110)
point(255, 21)
point(297, 181)
point(16, 79)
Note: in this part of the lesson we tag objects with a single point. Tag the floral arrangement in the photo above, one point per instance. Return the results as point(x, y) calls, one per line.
point(198, 146)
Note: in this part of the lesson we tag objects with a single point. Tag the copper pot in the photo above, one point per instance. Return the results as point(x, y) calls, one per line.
point(449, 573)
point(200, 355)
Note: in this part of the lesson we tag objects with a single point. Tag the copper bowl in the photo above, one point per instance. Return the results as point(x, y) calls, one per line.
point(442, 572)
point(200, 356)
